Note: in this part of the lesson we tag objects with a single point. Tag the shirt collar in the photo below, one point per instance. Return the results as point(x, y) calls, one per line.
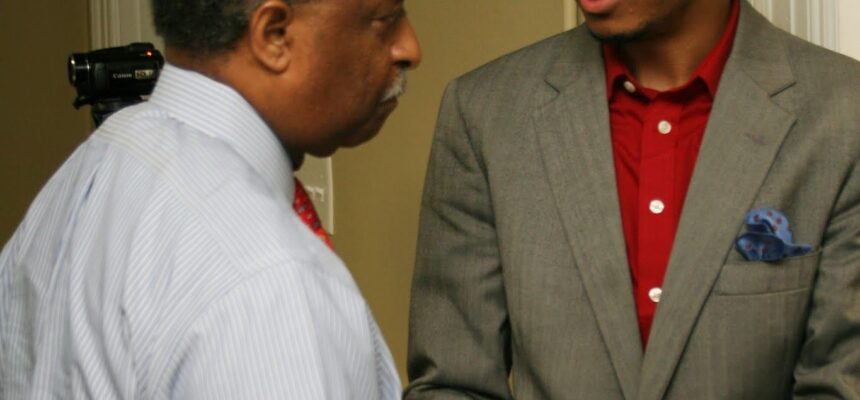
point(217, 110)
point(709, 71)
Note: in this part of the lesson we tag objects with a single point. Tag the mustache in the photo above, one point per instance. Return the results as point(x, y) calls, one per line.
point(397, 88)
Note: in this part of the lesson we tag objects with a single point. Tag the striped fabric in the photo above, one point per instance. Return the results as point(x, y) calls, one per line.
point(164, 260)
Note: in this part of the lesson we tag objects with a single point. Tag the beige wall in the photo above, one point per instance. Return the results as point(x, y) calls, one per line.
point(378, 186)
point(38, 126)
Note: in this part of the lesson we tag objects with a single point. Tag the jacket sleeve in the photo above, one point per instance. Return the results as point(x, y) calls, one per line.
point(459, 332)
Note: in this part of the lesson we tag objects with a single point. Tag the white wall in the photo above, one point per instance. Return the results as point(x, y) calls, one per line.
point(849, 27)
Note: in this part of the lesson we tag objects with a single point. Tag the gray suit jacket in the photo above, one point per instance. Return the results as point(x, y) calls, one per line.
point(521, 264)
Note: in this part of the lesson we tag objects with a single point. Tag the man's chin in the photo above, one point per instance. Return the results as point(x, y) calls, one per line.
point(358, 135)
point(323, 153)
point(617, 36)
point(371, 129)
point(362, 136)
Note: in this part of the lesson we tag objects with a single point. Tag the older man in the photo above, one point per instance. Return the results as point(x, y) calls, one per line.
point(662, 204)
point(165, 258)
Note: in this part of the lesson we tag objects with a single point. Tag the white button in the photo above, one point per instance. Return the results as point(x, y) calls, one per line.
point(664, 127)
point(629, 86)
point(654, 294)
point(656, 206)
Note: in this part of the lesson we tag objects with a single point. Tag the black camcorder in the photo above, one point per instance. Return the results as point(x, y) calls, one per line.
point(113, 78)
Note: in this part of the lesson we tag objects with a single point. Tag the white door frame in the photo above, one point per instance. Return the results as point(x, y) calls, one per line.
point(849, 27)
point(120, 22)
point(814, 20)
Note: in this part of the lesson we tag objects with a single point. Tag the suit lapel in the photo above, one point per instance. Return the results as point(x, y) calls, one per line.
point(574, 139)
point(744, 133)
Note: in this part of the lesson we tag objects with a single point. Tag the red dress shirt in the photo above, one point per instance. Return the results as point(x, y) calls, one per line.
point(655, 143)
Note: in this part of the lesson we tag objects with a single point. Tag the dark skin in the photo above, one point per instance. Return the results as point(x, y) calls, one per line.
point(316, 71)
point(662, 41)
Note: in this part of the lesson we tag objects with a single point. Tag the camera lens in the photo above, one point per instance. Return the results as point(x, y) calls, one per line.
point(79, 68)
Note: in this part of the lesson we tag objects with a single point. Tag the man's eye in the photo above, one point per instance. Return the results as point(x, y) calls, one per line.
point(393, 17)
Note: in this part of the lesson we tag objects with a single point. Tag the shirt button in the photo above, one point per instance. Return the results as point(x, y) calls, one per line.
point(656, 206)
point(654, 294)
point(629, 87)
point(664, 127)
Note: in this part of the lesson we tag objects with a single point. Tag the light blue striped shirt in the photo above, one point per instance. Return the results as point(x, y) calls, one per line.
point(164, 261)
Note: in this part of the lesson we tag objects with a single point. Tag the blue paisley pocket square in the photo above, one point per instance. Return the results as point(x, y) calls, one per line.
point(768, 237)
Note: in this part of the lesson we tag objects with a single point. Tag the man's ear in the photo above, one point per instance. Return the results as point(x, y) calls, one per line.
point(269, 38)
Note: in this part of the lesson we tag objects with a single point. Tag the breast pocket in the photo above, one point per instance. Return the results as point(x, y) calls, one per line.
point(747, 278)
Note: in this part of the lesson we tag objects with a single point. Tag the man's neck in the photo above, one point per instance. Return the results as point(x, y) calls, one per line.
point(228, 69)
point(669, 54)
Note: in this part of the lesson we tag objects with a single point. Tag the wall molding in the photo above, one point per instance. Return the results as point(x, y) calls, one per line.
point(814, 20)
point(571, 15)
point(104, 23)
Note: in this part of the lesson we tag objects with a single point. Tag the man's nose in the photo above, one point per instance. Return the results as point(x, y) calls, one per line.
point(406, 51)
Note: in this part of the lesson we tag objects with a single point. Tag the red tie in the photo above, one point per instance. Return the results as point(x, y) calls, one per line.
point(305, 209)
